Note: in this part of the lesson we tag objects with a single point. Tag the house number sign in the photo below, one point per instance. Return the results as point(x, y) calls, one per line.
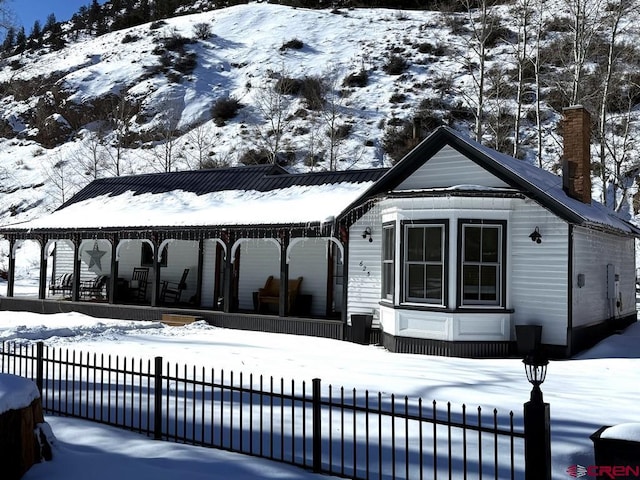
point(365, 268)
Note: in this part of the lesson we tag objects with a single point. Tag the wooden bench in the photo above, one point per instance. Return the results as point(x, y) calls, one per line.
point(177, 320)
point(270, 293)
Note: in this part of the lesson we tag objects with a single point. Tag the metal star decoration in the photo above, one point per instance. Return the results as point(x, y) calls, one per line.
point(95, 257)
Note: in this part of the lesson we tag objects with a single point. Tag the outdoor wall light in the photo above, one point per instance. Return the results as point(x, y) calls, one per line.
point(535, 366)
point(536, 236)
point(367, 233)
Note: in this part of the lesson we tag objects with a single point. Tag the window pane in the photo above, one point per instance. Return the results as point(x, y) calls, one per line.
point(489, 283)
point(490, 244)
point(415, 280)
point(388, 244)
point(471, 282)
point(434, 282)
point(387, 283)
point(433, 248)
point(415, 244)
point(472, 244)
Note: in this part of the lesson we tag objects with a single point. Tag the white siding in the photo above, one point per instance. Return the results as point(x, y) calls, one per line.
point(364, 268)
point(592, 252)
point(63, 261)
point(448, 168)
point(539, 282)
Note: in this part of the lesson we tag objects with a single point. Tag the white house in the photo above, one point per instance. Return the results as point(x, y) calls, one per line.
point(448, 252)
point(469, 243)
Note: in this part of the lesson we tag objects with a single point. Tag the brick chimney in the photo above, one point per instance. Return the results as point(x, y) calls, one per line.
point(576, 160)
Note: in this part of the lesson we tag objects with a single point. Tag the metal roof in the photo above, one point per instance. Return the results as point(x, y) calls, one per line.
point(261, 178)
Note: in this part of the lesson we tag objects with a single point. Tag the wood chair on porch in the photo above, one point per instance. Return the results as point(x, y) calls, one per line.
point(138, 284)
point(171, 291)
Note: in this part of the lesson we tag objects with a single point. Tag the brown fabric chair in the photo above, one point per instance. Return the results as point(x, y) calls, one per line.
point(270, 293)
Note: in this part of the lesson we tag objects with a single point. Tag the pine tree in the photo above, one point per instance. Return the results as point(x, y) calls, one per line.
point(9, 39)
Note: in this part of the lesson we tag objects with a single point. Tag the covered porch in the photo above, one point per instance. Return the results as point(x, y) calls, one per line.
point(233, 270)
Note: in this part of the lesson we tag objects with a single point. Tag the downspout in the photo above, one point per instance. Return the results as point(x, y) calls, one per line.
point(344, 238)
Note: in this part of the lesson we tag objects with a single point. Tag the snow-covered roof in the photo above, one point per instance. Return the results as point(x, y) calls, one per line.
point(536, 183)
point(221, 197)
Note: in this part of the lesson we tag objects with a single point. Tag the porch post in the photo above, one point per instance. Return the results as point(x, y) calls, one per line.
point(113, 279)
point(227, 284)
point(283, 302)
point(75, 287)
point(11, 277)
point(42, 281)
point(157, 260)
point(199, 272)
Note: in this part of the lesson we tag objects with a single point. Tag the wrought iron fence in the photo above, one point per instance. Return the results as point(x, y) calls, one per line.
point(331, 430)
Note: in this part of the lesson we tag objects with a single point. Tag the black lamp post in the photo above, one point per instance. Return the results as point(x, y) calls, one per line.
point(537, 422)
point(535, 365)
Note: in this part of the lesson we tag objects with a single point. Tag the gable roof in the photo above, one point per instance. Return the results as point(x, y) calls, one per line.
point(540, 185)
point(255, 195)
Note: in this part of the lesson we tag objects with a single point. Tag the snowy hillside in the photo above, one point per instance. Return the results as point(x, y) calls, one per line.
point(313, 89)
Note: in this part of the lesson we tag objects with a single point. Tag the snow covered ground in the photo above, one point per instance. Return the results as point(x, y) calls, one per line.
point(599, 387)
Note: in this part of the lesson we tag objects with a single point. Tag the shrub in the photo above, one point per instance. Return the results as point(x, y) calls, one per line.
point(255, 157)
point(202, 30)
point(398, 98)
point(294, 44)
point(129, 38)
point(395, 65)
point(288, 86)
point(313, 90)
point(224, 109)
point(340, 132)
point(358, 79)
point(157, 24)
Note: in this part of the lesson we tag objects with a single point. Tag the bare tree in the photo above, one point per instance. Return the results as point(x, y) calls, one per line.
point(483, 25)
point(585, 19)
point(168, 134)
point(523, 15)
point(121, 116)
point(199, 149)
point(91, 157)
point(58, 173)
point(612, 32)
point(273, 101)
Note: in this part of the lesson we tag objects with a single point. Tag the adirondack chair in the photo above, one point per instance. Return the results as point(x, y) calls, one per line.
point(139, 283)
point(95, 288)
point(270, 293)
point(62, 283)
point(171, 291)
